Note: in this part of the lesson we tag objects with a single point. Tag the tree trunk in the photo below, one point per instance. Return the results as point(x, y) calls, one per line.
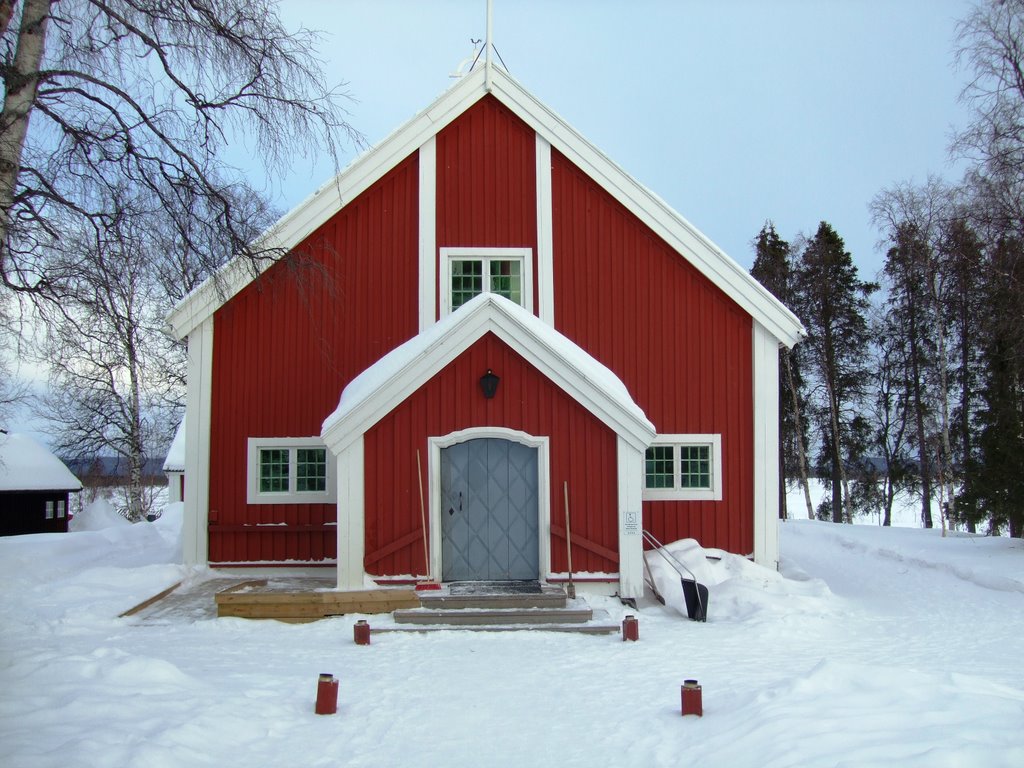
point(21, 85)
point(137, 458)
point(838, 470)
point(798, 429)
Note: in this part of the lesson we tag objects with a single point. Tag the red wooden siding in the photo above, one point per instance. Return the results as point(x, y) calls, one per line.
point(287, 345)
point(680, 345)
point(582, 452)
point(486, 181)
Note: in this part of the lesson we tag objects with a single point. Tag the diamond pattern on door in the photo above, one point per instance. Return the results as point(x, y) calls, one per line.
point(489, 510)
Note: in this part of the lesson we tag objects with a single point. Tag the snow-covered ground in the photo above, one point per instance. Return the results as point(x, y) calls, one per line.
point(872, 647)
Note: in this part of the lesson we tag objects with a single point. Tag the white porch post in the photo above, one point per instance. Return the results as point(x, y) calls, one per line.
point(631, 549)
point(766, 447)
point(195, 527)
point(351, 522)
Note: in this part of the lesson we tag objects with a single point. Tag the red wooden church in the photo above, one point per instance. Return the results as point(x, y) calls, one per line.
point(489, 312)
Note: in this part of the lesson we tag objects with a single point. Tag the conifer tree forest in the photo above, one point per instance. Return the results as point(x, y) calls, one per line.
point(916, 383)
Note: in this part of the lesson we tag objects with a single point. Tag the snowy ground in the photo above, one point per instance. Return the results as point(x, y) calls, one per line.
point(872, 647)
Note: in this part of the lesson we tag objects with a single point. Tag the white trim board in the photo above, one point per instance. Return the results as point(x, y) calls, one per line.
point(686, 239)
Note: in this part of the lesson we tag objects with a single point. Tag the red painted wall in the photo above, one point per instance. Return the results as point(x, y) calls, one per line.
point(286, 346)
point(680, 345)
point(582, 452)
point(487, 181)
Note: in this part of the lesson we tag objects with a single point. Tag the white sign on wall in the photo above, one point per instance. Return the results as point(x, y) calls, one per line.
point(631, 524)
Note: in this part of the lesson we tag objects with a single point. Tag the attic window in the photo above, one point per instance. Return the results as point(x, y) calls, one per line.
point(290, 470)
point(468, 272)
point(684, 467)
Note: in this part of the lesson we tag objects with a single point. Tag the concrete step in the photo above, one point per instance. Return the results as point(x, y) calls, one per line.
point(491, 616)
point(446, 598)
point(599, 624)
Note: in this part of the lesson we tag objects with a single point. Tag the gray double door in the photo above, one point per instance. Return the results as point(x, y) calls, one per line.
point(489, 511)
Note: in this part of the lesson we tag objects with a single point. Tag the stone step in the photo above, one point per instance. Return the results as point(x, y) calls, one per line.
point(493, 616)
point(599, 624)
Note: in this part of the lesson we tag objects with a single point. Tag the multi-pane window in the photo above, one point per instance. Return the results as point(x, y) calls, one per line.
point(289, 470)
point(60, 508)
point(467, 280)
point(695, 466)
point(684, 467)
point(274, 470)
point(501, 276)
point(468, 272)
point(660, 466)
point(311, 469)
point(49, 510)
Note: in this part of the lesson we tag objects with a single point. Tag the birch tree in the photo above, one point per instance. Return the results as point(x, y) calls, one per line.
point(990, 49)
point(104, 93)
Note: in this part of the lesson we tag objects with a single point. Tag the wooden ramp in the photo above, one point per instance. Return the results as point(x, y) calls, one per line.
point(286, 600)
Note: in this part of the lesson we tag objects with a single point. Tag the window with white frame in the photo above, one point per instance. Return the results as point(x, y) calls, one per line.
point(49, 510)
point(290, 470)
point(685, 467)
point(468, 272)
point(60, 508)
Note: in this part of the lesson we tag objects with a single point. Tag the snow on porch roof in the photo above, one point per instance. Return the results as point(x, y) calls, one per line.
point(376, 391)
point(369, 167)
point(175, 460)
point(25, 465)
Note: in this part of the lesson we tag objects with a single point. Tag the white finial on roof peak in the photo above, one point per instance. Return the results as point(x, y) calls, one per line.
point(469, 63)
point(488, 46)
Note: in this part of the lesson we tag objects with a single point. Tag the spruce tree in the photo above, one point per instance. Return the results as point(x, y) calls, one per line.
point(774, 270)
point(833, 301)
point(998, 485)
point(910, 311)
point(963, 257)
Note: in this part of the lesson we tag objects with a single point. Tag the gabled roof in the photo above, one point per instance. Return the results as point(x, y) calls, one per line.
point(375, 392)
point(175, 459)
point(299, 223)
point(25, 465)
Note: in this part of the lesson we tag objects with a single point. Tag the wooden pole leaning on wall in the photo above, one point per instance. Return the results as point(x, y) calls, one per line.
point(429, 582)
point(570, 590)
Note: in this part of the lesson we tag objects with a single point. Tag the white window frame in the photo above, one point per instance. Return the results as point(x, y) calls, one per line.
point(714, 493)
point(255, 496)
point(448, 255)
point(60, 508)
point(49, 510)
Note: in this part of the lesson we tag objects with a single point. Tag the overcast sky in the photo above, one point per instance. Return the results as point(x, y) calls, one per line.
point(733, 111)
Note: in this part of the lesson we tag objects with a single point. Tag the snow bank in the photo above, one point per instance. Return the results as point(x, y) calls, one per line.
point(97, 515)
point(738, 588)
point(873, 647)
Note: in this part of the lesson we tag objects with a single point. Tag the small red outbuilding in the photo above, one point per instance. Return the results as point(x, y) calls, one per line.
point(485, 242)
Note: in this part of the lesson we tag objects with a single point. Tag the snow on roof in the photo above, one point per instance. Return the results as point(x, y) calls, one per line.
point(452, 333)
point(25, 465)
point(175, 461)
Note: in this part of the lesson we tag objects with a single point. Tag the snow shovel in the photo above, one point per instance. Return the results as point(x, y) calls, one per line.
point(696, 596)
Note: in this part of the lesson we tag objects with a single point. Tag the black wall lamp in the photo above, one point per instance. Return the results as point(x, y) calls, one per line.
point(489, 384)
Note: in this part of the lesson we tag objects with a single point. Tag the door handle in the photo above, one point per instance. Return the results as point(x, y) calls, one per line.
point(452, 511)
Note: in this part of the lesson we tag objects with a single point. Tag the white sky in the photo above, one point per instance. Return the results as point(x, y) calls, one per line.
point(734, 112)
